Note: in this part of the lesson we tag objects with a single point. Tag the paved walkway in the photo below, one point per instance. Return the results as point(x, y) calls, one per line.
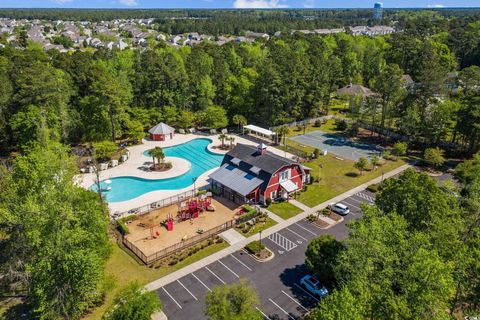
point(232, 236)
point(239, 245)
point(273, 216)
point(297, 203)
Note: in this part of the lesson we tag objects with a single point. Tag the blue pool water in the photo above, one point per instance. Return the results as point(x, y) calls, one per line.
point(194, 151)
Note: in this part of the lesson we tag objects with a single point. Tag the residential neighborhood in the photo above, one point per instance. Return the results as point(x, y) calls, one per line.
point(120, 34)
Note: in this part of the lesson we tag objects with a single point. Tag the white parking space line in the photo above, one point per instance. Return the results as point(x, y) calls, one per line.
point(264, 315)
point(351, 205)
point(361, 202)
point(293, 299)
point(305, 239)
point(193, 274)
point(281, 309)
point(306, 292)
point(187, 290)
point(282, 241)
point(215, 275)
point(249, 255)
point(366, 197)
point(243, 264)
point(172, 298)
point(236, 275)
point(296, 223)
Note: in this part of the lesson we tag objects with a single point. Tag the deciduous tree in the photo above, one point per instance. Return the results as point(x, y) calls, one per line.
point(233, 302)
point(134, 303)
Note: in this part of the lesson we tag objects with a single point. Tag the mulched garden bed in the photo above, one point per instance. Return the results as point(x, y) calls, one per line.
point(264, 254)
point(320, 223)
point(334, 216)
point(158, 169)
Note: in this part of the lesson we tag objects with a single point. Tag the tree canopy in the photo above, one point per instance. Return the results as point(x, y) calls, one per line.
point(413, 255)
point(233, 302)
point(133, 302)
point(54, 242)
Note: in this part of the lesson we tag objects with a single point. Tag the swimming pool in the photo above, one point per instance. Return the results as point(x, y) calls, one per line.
point(195, 151)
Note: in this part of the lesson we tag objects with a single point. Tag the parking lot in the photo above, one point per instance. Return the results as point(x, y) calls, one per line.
point(276, 281)
point(338, 145)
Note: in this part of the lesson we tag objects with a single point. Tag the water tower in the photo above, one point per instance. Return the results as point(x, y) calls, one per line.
point(378, 10)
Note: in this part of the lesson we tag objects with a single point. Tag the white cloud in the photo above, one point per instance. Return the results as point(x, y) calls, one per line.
point(129, 3)
point(253, 4)
point(437, 5)
point(62, 1)
point(309, 4)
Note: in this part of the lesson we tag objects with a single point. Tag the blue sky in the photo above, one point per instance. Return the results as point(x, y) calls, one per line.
point(232, 3)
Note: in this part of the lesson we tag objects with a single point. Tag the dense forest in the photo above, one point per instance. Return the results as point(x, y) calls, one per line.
point(96, 95)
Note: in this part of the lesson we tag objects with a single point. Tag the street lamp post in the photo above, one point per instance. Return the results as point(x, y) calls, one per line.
point(260, 238)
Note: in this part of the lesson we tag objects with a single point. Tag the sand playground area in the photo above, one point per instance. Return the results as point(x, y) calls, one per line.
point(148, 234)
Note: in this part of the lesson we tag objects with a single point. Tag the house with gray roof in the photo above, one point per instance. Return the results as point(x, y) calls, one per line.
point(250, 174)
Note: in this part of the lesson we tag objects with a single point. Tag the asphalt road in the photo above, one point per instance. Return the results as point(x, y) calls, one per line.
point(276, 281)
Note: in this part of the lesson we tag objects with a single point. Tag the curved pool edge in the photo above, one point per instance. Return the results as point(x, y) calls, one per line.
point(150, 197)
point(209, 146)
point(188, 157)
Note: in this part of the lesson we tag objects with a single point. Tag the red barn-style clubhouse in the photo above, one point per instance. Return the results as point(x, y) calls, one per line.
point(253, 174)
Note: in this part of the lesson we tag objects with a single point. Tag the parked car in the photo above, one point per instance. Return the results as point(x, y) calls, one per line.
point(312, 285)
point(340, 208)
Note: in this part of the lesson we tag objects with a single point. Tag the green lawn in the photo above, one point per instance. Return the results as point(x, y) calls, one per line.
point(257, 228)
point(329, 127)
point(122, 268)
point(284, 209)
point(338, 176)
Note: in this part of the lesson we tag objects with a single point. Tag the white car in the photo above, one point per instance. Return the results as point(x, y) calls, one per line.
point(340, 208)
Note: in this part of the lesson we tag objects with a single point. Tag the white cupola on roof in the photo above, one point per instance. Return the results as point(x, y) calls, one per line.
point(262, 148)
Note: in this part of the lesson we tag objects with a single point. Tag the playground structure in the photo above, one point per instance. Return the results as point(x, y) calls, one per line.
point(176, 223)
point(191, 209)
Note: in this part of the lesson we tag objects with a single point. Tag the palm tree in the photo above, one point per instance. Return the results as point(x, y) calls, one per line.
point(161, 158)
point(239, 120)
point(157, 153)
point(231, 139)
point(222, 138)
point(151, 153)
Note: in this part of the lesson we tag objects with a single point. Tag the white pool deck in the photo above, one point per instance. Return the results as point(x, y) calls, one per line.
point(135, 167)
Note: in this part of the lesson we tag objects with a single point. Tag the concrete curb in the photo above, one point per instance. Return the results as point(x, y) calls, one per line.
point(264, 260)
point(154, 285)
point(159, 316)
